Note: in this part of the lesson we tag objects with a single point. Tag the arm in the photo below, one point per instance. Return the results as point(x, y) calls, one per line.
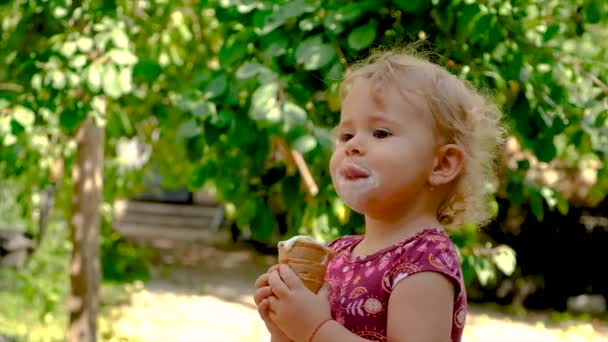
point(421, 308)
point(333, 331)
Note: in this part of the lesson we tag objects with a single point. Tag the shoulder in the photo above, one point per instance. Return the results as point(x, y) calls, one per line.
point(430, 251)
point(344, 243)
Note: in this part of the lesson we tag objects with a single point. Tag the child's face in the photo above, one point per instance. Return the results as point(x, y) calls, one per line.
point(384, 151)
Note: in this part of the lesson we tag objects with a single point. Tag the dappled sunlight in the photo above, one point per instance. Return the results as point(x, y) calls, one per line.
point(167, 316)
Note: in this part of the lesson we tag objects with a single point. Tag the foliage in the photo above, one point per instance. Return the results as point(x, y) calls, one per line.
point(41, 286)
point(121, 260)
point(215, 87)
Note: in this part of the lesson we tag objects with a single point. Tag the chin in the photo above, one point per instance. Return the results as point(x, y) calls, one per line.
point(360, 206)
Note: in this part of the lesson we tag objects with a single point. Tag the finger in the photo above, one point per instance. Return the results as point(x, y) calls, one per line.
point(261, 281)
point(273, 303)
point(324, 290)
point(277, 285)
point(290, 278)
point(263, 308)
point(273, 268)
point(261, 294)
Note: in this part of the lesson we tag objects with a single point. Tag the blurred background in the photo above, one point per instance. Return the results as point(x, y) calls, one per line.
point(152, 153)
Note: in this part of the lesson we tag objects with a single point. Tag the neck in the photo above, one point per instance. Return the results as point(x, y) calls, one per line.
point(380, 233)
point(384, 230)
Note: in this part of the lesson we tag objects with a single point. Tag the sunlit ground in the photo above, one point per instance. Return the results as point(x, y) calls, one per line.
point(158, 315)
point(211, 300)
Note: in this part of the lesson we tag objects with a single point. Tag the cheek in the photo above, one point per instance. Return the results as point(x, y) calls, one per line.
point(333, 164)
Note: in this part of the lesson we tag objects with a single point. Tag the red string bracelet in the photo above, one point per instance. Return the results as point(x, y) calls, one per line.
point(314, 332)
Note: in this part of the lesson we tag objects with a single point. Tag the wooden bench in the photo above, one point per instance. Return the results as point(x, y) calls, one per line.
point(190, 222)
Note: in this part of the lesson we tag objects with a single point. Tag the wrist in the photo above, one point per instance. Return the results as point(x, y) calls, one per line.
point(317, 329)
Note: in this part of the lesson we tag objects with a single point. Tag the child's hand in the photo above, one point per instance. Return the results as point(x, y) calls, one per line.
point(294, 308)
point(262, 293)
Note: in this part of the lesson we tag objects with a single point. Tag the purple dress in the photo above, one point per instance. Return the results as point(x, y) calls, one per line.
point(361, 286)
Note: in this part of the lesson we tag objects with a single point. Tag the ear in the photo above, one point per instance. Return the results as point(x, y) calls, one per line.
point(448, 163)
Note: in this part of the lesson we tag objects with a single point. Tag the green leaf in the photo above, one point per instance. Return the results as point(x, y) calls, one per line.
point(203, 110)
point(264, 103)
point(111, 82)
point(79, 61)
point(262, 225)
point(335, 73)
point(551, 32)
point(276, 48)
point(362, 36)
point(120, 39)
point(294, 116)
point(309, 24)
point(314, 54)
point(412, 6)
point(68, 49)
point(467, 17)
point(305, 144)
point(483, 270)
point(125, 80)
point(58, 79)
point(85, 44)
point(545, 149)
point(348, 12)
point(593, 11)
point(70, 120)
point(325, 137)
point(281, 14)
point(505, 259)
point(248, 70)
point(94, 76)
point(481, 27)
point(334, 26)
point(147, 70)
point(562, 204)
point(246, 212)
point(549, 195)
point(232, 52)
point(122, 57)
point(217, 87)
point(188, 129)
point(5, 125)
point(536, 204)
point(9, 140)
point(199, 176)
point(36, 83)
point(24, 116)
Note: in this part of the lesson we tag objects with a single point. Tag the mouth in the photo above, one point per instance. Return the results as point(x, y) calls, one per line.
point(354, 172)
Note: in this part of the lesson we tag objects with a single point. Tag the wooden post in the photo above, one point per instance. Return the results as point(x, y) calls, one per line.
point(83, 300)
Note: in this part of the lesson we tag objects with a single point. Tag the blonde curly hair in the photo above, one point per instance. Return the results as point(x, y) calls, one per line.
point(461, 114)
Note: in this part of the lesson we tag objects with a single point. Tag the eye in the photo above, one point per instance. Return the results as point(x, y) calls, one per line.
point(344, 137)
point(381, 134)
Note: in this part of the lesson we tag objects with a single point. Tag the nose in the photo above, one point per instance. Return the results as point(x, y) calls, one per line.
point(354, 146)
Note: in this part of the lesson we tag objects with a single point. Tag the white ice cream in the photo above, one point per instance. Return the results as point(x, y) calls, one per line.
point(288, 244)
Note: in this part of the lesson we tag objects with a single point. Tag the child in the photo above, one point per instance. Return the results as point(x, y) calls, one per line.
point(415, 149)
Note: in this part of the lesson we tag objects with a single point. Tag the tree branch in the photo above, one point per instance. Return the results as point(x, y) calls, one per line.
point(11, 87)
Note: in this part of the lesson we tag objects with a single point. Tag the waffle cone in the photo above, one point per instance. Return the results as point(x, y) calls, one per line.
point(308, 260)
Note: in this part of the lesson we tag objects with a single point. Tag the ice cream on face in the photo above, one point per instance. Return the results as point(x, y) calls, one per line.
point(354, 183)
